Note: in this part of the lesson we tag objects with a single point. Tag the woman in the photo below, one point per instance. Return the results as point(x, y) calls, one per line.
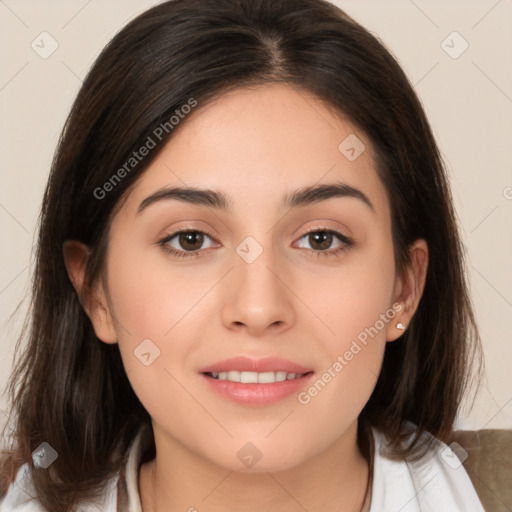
point(250, 290)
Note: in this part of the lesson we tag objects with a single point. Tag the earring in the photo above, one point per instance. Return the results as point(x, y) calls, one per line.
point(400, 326)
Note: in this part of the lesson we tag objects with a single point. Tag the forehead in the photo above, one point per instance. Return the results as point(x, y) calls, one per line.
point(258, 144)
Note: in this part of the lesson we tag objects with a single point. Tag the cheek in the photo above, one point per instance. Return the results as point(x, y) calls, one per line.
point(145, 308)
point(353, 297)
point(149, 296)
point(158, 313)
point(355, 310)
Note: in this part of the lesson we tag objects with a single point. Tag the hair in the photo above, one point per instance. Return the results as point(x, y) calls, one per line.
point(66, 384)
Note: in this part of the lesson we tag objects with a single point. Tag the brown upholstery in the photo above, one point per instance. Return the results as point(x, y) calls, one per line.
point(489, 465)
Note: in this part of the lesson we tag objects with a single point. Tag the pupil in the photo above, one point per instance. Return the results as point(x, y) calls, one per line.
point(323, 237)
point(189, 241)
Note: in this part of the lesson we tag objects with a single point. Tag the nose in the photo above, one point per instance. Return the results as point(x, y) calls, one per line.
point(258, 298)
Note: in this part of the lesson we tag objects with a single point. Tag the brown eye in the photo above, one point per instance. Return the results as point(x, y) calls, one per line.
point(320, 240)
point(191, 240)
point(186, 242)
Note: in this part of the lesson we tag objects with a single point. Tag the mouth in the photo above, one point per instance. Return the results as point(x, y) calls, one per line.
point(247, 377)
point(256, 382)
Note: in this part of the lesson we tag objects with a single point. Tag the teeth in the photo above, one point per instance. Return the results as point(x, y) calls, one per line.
point(255, 377)
point(280, 376)
point(233, 376)
point(247, 377)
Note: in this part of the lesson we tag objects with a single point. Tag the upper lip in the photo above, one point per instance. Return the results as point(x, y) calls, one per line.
point(265, 364)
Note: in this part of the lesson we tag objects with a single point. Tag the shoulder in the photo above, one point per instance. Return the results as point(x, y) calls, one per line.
point(120, 492)
point(487, 458)
point(436, 481)
point(21, 496)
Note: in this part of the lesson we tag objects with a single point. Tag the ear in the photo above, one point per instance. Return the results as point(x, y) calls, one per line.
point(94, 300)
point(409, 289)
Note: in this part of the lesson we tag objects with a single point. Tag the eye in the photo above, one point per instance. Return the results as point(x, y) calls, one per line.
point(190, 242)
point(185, 243)
point(321, 240)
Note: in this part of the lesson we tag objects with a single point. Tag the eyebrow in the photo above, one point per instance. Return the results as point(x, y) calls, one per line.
point(218, 200)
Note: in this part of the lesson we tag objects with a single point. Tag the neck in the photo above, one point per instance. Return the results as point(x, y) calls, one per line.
point(180, 480)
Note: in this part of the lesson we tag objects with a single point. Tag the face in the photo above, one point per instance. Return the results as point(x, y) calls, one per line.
point(266, 273)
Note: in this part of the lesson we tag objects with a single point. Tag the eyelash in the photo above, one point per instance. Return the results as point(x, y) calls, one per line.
point(347, 243)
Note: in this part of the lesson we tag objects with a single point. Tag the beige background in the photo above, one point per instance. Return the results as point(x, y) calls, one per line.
point(468, 100)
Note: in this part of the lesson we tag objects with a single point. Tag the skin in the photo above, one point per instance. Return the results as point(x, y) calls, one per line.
point(255, 145)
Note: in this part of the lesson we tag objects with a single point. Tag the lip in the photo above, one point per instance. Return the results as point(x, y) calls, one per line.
point(246, 364)
point(256, 394)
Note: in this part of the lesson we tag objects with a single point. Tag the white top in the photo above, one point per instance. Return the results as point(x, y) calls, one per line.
point(436, 483)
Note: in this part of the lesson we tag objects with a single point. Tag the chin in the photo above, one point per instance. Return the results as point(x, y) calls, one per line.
point(249, 459)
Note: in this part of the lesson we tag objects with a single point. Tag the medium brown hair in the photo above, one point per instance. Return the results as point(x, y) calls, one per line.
point(71, 390)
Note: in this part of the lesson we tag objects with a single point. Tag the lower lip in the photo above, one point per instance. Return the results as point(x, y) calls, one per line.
point(257, 394)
